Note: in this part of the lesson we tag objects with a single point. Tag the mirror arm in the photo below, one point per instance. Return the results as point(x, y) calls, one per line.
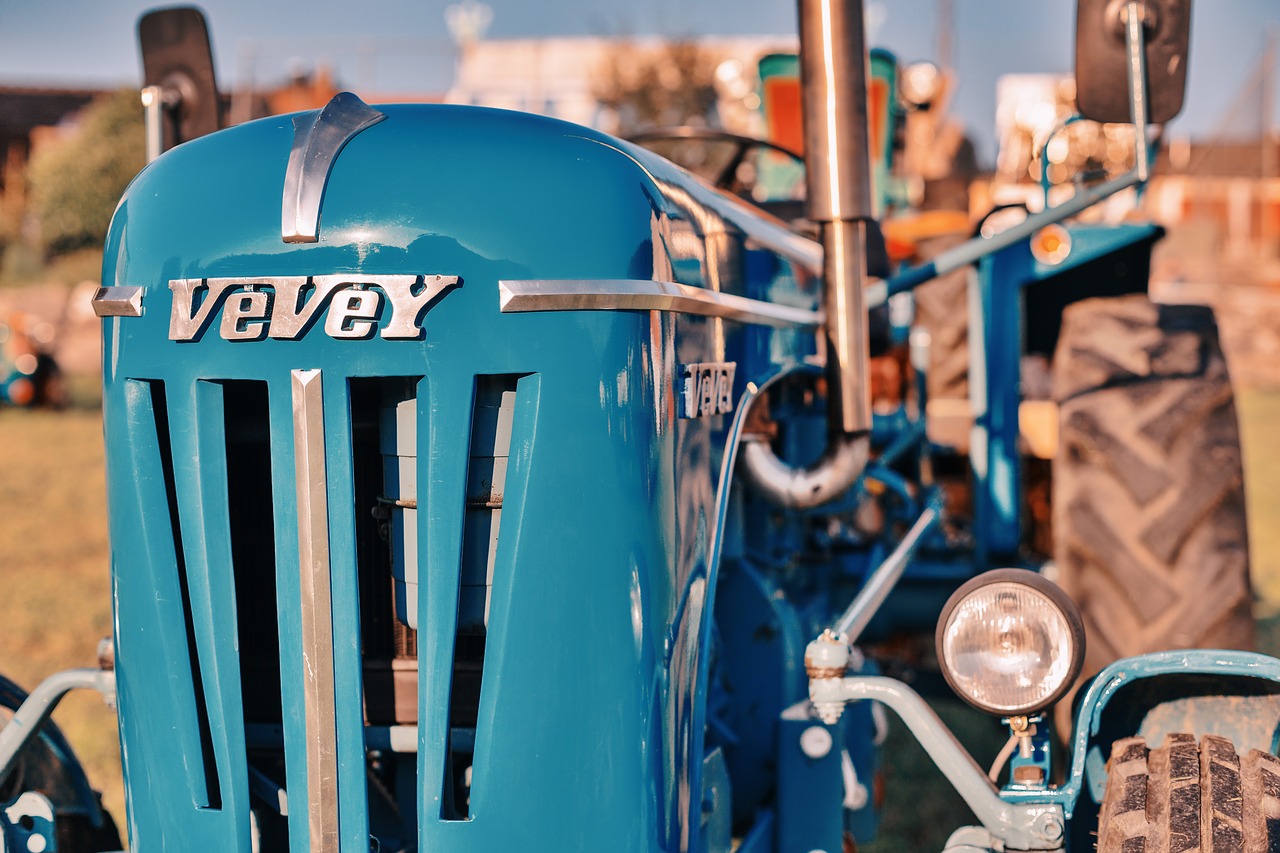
point(153, 114)
point(1044, 153)
point(1135, 42)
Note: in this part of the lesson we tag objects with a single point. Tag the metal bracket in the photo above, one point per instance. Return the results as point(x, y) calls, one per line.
point(125, 301)
point(1020, 825)
point(37, 707)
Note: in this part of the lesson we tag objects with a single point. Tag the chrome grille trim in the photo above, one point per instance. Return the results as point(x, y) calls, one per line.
point(317, 611)
point(644, 295)
point(122, 301)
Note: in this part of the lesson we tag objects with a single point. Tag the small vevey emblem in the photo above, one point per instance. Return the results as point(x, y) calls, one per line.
point(286, 307)
point(706, 389)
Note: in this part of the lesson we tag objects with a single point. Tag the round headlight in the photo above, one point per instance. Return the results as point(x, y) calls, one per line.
point(1010, 642)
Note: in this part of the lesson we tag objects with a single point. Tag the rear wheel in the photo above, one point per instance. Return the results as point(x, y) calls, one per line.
point(1185, 796)
point(1148, 494)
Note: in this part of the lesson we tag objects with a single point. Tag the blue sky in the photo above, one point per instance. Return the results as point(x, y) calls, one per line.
point(401, 46)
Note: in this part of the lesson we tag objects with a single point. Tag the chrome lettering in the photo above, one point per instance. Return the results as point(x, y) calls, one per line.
point(184, 324)
point(351, 314)
point(406, 307)
point(243, 318)
point(706, 389)
point(293, 319)
point(285, 307)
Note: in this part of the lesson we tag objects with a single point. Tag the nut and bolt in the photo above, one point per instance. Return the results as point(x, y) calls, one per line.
point(1049, 827)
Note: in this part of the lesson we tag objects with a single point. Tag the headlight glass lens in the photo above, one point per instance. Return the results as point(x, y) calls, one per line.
point(1007, 648)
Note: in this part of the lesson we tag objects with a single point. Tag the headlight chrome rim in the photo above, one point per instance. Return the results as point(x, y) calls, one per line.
point(1054, 596)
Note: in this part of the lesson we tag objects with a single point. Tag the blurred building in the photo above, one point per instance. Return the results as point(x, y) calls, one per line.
point(1226, 194)
point(562, 77)
point(27, 115)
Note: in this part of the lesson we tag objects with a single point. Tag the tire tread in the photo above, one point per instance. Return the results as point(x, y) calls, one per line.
point(1189, 797)
point(1148, 490)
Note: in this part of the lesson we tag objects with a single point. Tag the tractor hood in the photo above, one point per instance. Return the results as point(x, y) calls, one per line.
point(393, 491)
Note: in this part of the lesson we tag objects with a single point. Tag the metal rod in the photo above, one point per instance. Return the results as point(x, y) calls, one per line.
point(833, 74)
point(972, 250)
point(35, 710)
point(1022, 826)
point(882, 581)
point(848, 353)
point(317, 611)
point(153, 116)
point(1137, 85)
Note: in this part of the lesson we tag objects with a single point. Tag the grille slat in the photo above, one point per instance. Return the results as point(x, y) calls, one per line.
point(158, 585)
point(345, 549)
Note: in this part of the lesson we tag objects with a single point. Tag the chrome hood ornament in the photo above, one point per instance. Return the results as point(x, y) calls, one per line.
point(318, 138)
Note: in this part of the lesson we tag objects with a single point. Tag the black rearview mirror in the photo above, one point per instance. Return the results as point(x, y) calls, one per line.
point(176, 57)
point(1102, 77)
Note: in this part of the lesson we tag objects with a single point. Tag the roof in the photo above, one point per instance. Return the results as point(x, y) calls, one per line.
point(22, 109)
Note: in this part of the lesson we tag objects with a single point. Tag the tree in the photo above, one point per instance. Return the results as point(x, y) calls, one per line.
point(75, 182)
point(646, 87)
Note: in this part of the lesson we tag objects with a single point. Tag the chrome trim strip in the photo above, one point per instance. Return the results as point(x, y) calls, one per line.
point(317, 611)
point(643, 295)
point(118, 302)
point(318, 138)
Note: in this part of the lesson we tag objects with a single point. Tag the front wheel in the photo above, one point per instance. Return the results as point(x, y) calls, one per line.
point(1189, 796)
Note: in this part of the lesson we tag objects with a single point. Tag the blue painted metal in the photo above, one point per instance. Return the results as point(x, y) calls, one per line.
point(811, 790)
point(614, 515)
point(1039, 759)
point(994, 450)
point(997, 463)
point(29, 823)
point(609, 665)
point(1231, 673)
point(815, 808)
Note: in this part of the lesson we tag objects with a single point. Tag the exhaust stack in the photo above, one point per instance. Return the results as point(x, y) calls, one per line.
point(833, 78)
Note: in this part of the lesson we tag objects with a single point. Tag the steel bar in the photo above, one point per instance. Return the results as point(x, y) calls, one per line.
point(882, 581)
point(35, 710)
point(317, 611)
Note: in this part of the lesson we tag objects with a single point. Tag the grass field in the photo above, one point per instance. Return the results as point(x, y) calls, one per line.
point(1260, 423)
point(56, 600)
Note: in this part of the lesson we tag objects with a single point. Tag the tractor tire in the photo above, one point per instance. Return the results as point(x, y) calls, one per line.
point(1148, 492)
point(1185, 796)
point(942, 308)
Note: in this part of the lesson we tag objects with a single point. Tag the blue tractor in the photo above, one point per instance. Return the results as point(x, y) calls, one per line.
point(480, 481)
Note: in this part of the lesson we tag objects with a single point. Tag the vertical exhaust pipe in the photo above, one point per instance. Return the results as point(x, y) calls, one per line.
point(833, 79)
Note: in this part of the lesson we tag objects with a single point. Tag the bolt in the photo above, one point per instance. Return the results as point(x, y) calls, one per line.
point(828, 703)
point(815, 742)
point(1049, 827)
point(827, 656)
point(107, 654)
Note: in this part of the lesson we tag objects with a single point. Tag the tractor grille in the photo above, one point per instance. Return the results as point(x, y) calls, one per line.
point(295, 523)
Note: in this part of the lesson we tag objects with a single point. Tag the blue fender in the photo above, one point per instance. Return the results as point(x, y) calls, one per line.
point(1198, 691)
point(48, 766)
